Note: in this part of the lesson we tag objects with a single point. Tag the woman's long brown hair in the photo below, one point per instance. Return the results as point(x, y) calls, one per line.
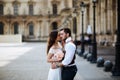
point(51, 40)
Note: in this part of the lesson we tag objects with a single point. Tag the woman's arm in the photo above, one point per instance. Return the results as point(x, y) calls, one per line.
point(50, 58)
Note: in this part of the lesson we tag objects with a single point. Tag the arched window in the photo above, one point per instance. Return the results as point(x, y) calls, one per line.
point(73, 3)
point(31, 9)
point(1, 28)
point(54, 9)
point(74, 25)
point(15, 9)
point(15, 28)
point(1, 9)
point(54, 25)
point(31, 29)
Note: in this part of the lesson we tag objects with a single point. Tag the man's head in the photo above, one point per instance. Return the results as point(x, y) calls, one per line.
point(65, 33)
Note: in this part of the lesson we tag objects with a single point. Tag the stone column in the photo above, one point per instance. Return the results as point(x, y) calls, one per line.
point(103, 27)
point(40, 29)
point(91, 13)
point(97, 8)
point(47, 28)
point(37, 30)
point(66, 3)
point(114, 18)
point(85, 20)
point(109, 16)
point(87, 15)
point(79, 26)
point(98, 17)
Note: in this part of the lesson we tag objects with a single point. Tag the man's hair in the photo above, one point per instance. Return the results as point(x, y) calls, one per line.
point(66, 30)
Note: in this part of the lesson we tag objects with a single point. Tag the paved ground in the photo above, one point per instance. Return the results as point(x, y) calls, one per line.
point(27, 61)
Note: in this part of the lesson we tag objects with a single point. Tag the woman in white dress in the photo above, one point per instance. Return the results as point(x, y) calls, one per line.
point(54, 55)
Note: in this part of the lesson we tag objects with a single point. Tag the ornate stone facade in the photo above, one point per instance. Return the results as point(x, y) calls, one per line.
point(34, 19)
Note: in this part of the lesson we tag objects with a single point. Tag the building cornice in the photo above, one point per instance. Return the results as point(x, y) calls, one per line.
point(55, 2)
point(2, 2)
point(31, 2)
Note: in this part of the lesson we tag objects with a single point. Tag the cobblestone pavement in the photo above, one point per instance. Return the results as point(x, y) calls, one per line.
point(27, 61)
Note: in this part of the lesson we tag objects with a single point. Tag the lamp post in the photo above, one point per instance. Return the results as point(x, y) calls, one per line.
point(116, 68)
point(82, 5)
point(94, 44)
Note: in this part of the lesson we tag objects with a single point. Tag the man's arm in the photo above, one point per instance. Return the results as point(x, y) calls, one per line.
point(70, 52)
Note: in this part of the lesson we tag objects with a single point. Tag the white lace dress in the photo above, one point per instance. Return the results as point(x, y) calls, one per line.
point(54, 74)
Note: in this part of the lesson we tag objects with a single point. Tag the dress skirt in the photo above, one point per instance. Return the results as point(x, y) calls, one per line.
point(54, 74)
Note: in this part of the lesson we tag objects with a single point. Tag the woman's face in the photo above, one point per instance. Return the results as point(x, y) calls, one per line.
point(58, 37)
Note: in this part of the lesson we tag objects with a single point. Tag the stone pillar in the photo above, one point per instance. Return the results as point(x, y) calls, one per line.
point(91, 13)
point(85, 20)
point(66, 3)
point(87, 15)
point(48, 28)
point(79, 26)
point(103, 27)
point(40, 29)
point(37, 30)
point(98, 17)
point(109, 16)
point(19, 29)
point(114, 18)
point(23, 27)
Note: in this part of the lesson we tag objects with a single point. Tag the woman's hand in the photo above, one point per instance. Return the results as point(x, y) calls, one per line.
point(59, 56)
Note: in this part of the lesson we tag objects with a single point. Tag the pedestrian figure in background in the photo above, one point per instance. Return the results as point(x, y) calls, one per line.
point(54, 55)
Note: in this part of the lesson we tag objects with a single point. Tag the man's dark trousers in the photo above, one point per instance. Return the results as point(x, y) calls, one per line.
point(68, 73)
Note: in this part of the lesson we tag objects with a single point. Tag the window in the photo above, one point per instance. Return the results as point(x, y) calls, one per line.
point(15, 9)
point(1, 28)
point(54, 26)
point(74, 25)
point(31, 29)
point(55, 9)
point(31, 9)
point(15, 28)
point(73, 1)
point(1, 9)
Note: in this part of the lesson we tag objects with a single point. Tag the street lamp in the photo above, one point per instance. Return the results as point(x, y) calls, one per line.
point(82, 5)
point(116, 68)
point(94, 48)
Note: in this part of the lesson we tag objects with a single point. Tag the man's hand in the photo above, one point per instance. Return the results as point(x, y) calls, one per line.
point(53, 66)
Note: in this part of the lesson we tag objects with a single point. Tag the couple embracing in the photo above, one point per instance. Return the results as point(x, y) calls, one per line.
point(61, 55)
